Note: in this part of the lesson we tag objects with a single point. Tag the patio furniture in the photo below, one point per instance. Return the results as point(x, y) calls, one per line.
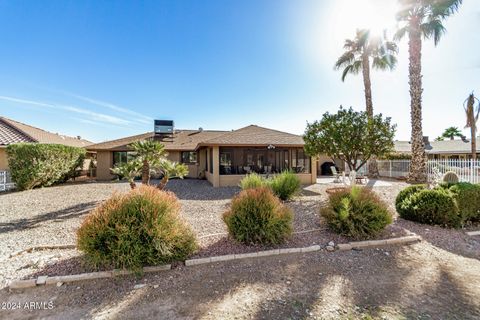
point(336, 174)
point(361, 179)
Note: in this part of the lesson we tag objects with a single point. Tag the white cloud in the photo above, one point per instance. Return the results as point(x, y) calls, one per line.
point(91, 114)
point(140, 117)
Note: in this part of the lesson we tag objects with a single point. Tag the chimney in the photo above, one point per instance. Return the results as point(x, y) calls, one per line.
point(426, 141)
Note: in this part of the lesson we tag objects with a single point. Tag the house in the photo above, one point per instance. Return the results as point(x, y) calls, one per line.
point(221, 157)
point(446, 149)
point(12, 132)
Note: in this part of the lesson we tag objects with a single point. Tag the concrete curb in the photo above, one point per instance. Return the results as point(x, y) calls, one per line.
point(339, 247)
point(473, 233)
point(378, 243)
point(46, 280)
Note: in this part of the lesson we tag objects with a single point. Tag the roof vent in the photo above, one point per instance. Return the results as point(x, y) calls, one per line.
point(200, 129)
point(163, 126)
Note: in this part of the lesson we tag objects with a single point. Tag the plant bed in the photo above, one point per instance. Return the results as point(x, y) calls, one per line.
point(331, 191)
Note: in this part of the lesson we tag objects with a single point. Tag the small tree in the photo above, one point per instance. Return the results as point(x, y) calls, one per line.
point(150, 157)
point(150, 153)
point(350, 136)
point(128, 171)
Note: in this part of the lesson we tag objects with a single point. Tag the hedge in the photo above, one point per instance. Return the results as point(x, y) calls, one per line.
point(41, 165)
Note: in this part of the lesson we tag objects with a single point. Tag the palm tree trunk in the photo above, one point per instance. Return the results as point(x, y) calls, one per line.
point(161, 185)
point(145, 172)
point(372, 165)
point(418, 164)
point(474, 141)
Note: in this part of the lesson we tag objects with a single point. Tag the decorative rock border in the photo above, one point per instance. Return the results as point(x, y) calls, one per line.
point(473, 233)
point(339, 247)
point(46, 280)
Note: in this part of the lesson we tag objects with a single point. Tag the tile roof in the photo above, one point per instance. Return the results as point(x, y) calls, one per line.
point(255, 135)
point(181, 140)
point(446, 146)
point(192, 139)
point(12, 131)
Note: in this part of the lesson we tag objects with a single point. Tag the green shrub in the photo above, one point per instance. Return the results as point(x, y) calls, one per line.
point(285, 185)
point(406, 193)
point(257, 216)
point(436, 206)
point(356, 213)
point(41, 165)
point(467, 196)
point(138, 228)
point(252, 181)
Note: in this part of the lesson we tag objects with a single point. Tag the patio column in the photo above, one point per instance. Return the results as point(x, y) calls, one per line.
point(313, 169)
point(216, 166)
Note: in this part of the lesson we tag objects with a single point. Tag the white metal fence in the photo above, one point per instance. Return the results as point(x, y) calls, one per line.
point(5, 181)
point(467, 170)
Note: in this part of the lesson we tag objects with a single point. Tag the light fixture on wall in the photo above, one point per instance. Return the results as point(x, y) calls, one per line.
point(270, 147)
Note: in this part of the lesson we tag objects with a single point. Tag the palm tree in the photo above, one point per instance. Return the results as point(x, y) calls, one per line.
point(421, 19)
point(451, 133)
point(472, 118)
point(360, 52)
point(129, 171)
point(150, 153)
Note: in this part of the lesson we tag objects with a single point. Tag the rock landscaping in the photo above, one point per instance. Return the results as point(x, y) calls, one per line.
point(42, 218)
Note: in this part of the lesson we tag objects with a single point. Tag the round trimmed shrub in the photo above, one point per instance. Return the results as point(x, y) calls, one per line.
point(138, 228)
point(251, 181)
point(436, 206)
point(356, 213)
point(405, 194)
point(285, 185)
point(467, 196)
point(256, 216)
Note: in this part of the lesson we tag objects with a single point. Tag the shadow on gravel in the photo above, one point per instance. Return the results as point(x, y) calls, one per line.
point(292, 286)
point(63, 214)
point(193, 189)
point(455, 241)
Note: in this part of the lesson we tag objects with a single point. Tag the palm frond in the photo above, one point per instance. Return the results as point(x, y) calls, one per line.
point(345, 59)
point(346, 71)
point(401, 32)
point(433, 29)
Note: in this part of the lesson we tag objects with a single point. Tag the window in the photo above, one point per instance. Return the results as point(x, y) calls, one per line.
point(210, 160)
point(300, 161)
point(189, 157)
point(120, 157)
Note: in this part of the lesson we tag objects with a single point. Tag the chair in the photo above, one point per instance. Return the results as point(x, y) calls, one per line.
point(336, 174)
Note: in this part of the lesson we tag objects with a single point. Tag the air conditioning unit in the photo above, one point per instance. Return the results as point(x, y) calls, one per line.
point(163, 126)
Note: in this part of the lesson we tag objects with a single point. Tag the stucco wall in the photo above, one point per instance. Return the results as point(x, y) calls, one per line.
point(3, 159)
point(104, 163)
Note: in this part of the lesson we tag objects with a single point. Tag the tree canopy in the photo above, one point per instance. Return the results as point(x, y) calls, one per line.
point(350, 136)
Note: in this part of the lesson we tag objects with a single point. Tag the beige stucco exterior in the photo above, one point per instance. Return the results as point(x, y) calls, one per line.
point(3, 159)
point(200, 169)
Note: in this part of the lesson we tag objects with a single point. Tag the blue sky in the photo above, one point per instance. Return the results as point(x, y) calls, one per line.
point(105, 69)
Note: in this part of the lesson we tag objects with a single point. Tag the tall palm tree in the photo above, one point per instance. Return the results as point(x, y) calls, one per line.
point(420, 19)
point(472, 118)
point(361, 52)
point(150, 153)
point(451, 133)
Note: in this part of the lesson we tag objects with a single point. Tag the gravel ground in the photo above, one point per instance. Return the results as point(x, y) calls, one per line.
point(409, 282)
point(52, 215)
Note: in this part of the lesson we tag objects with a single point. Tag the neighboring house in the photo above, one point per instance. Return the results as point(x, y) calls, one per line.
point(447, 149)
point(16, 132)
point(222, 157)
